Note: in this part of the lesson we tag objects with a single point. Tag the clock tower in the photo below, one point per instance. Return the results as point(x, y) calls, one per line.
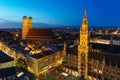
point(83, 49)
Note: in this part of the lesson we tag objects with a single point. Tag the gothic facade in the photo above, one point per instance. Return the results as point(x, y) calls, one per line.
point(92, 61)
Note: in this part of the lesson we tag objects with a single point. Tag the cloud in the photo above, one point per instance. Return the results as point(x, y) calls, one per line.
point(3, 20)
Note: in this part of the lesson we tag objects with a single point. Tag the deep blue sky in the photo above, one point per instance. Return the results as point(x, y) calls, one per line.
point(63, 12)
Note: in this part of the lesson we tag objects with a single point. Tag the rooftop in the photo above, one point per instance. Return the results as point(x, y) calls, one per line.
point(72, 49)
point(42, 33)
point(114, 49)
point(43, 54)
point(8, 39)
point(5, 58)
point(6, 72)
point(110, 59)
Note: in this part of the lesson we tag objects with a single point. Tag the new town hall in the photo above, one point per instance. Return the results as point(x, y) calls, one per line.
point(92, 61)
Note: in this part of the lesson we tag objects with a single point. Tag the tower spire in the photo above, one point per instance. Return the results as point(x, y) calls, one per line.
point(85, 22)
point(85, 16)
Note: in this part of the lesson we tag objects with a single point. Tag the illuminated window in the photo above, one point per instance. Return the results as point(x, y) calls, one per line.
point(100, 71)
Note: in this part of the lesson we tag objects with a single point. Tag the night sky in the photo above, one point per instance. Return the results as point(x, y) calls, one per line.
point(62, 12)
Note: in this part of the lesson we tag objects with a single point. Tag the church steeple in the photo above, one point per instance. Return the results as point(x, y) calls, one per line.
point(85, 22)
point(24, 27)
point(85, 14)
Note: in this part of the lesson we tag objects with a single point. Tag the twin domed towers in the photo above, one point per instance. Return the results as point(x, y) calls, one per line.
point(26, 25)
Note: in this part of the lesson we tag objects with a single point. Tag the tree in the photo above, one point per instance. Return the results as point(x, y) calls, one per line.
point(21, 63)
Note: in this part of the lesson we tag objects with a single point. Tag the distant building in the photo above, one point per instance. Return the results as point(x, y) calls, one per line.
point(39, 35)
point(92, 61)
point(106, 39)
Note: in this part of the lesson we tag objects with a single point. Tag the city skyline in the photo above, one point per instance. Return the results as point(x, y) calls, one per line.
point(56, 12)
point(30, 53)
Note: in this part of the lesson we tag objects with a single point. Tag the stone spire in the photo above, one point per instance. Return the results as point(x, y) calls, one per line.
point(85, 16)
point(85, 22)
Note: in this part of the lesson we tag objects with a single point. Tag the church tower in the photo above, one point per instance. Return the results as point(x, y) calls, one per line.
point(64, 48)
point(24, 27)
point(83, 49)
point(30, 22)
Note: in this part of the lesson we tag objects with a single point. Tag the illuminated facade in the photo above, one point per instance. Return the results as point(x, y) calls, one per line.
point(38, 63)
point(70, 62)
point(83, 49)
point(30, 25)
point(34, 35)
point(24, 27)
point(6, 61)
point(41, 65)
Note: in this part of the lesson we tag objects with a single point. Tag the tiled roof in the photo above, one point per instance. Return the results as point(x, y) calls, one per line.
point(43, 33)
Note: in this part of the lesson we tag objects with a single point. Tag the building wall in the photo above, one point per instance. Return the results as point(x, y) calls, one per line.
point(7, 64)
point(46, 63)
point(10, 51)
point(100, 71)
point(70, 64)
point(97, 69)
point(111, 72)
point(32, 65)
